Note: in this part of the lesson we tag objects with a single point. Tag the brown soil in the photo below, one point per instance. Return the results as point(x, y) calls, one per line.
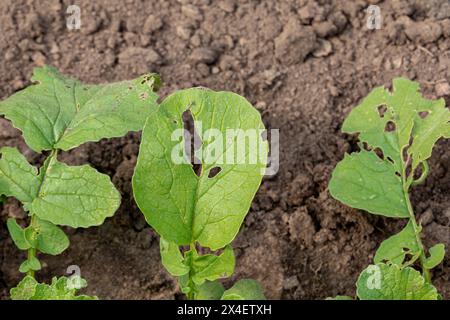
point(303, 64)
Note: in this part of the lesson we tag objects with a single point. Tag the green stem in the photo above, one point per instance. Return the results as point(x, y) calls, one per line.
point(425, 272)
point(424, 174)
point(32, 251)
point(31, 254)
point(191, 284)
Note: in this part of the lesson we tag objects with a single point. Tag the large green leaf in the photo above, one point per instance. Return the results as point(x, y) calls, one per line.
point(59, 289)
point(18, 178)
point(391, 282)
point(408, 122)
point(75, 196)
point(184, 207)
point(395, 248)
point(59, 112)
point(245, 289)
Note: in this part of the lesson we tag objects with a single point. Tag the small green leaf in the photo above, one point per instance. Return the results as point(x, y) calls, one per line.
point(437, 254)
point(32, 264)
point(210, 290)
point(181, 206)
point(246, 289)
point(362, 180)
point(211, 267)
point(25, 289)
point(391, 282)
point(50, 239)
point(59, 289)
point(172, 259)
point(18, 178)
point(17, 234)
point(75, 196)
point(58, 112)
point(395, 248)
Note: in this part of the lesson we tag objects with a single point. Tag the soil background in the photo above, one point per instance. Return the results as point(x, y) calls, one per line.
point(303, 64)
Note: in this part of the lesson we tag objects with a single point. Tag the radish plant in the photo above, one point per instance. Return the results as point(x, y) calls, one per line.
point(195, 189)
point(59, 113)
point(397, 132)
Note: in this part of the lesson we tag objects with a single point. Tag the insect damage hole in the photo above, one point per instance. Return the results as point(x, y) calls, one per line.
point(214, 172)
point(423, 114)
point(390, 126)
point(382, 110)
point(192, 141)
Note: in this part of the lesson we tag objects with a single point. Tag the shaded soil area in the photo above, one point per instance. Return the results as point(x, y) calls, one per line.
point(304, 64)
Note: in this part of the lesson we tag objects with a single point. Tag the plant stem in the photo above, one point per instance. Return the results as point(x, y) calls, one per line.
point(191, 284)
point(425, 272)
point(32, 251)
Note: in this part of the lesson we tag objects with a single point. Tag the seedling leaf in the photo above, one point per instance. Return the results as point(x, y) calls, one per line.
point(32, 264)
point(210, 290)
point(59, 289)
point(395, 248)
point(17, 234)
point(391, 282)
point(59, 112)
point(75, 196)
point(364, 181)
point(437, 254)
point(50, 239)
point(245, 289)
point(172, 259)
point(209, 266)
point(17, 177)
point(181, 206)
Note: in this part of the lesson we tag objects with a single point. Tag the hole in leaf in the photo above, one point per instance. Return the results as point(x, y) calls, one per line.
point(214, 172)
point(382, 110)
point(423, 114)
point(192, 142)
point(390, 126)
point(390, 159)
point(366, 146)
point(379, 153)
point(405, 150)
point(398, 174)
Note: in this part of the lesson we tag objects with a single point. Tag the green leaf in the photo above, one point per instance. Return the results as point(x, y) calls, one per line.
point(211, 267)
point(17, 234)
point(58, 112)
point(32, 264)
point(25, 289)
point(339, 298)
point(49, 238)
point(393, 248)
point(75, 196)
point(172, 259)
point(59, 289)
point(437, 254)
point(181, 206)
point(391, 282)
point(17, 177)
point(246, 289)
point(210, 290)
point(365, 181)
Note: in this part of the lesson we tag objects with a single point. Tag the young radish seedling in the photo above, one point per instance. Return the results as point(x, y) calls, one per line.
point(196, 208)
point(59, 113)
point(397, 132)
